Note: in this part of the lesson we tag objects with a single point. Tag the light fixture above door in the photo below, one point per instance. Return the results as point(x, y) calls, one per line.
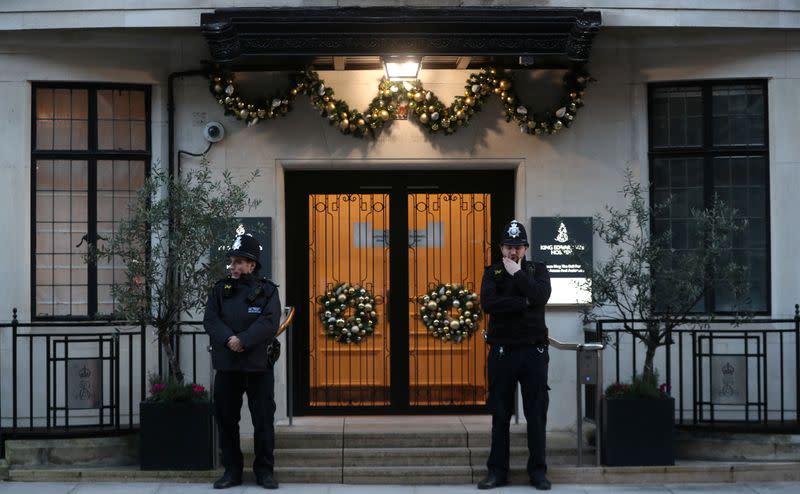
point(401, 67)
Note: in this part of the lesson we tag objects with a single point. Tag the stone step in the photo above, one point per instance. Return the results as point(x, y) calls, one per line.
point(683, 472)
point(736, 446)
point(408, 475)
point(94, 451)
point(354, 457)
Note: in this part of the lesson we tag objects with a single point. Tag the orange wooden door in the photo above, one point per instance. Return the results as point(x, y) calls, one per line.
point(449, 245)
point(348, 252)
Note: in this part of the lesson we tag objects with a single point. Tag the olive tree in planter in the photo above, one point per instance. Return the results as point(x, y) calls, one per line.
point(645, 279)
point(165, 241)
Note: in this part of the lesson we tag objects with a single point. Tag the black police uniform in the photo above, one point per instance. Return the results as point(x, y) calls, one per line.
point(519, 353)
point(248, 308)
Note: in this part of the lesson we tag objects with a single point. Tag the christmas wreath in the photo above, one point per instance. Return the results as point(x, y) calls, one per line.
point(348, 328)
point(436, 312)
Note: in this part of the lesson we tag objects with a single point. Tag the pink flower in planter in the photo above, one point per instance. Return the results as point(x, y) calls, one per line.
point(664, 389)
point(198, 389)
point(157, 387)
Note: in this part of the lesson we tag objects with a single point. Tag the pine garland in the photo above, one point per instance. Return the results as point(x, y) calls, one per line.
point(429, 111)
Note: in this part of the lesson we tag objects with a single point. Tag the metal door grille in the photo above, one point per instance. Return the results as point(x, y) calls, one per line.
point(449, 243)
point(348, 243)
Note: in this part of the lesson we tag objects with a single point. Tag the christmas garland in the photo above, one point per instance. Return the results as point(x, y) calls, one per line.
point(435, 312)
point(429, 111)
point(353, 328)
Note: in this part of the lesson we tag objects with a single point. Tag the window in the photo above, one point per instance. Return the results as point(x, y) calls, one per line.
point(710, 139)
point(90, 154)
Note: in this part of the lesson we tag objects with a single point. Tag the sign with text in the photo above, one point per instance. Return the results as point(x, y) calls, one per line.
point(556, 241)
point(365, 235)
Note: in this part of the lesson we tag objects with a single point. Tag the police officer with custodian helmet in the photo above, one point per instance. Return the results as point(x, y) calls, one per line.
point(514, 292)
point(242, 318)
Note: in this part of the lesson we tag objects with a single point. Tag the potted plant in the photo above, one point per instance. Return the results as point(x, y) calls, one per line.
point(652, 288)
point(639, 423)
point(176, 427)
point(167, 243)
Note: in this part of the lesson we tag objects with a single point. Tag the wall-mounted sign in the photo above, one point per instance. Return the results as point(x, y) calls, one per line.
point(556, 241)
point(728, 379)
point(84, 381)
point(366, 236)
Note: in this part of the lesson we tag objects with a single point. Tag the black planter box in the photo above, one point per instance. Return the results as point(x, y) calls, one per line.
point(175, 436)
point(638, 432)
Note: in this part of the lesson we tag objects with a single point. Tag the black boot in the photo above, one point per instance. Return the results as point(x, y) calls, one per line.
point(266, 480)
point(227, 480)
point(541, 483)
point(491, 481)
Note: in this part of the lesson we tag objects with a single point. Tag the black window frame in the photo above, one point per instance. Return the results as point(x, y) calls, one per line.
point(708, 151)
point(92, 154)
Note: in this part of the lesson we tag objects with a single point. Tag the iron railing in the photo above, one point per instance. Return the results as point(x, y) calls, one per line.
point(724, 375)
point(41, 363)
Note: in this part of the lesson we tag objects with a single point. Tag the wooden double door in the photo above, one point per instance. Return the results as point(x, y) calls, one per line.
point(364, 249)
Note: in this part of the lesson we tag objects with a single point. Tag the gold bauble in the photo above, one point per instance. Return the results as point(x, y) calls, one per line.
point(496, 90)
point(418, 97)
point(469, 101)
point(384, 115)
point(503, 95)
point(341, 298)
point(504, 84)
point(344, 124)
point(361, 122)
point(353, 127)
point(557, 124)
point(387, 92)
point(343, 116)
point(294, 91)
point(460, 114)
point(469, 305)
point(531, 124)
point(217, 79)
point(432, 305)
point(240, 104)
point(217, 88)
point(243, 113)
point(331, 106)
point(424, 118)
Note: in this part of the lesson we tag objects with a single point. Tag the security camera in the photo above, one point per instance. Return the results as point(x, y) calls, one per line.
point(214, 132)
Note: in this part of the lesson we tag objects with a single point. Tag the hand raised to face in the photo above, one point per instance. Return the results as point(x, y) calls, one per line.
point(512, 266)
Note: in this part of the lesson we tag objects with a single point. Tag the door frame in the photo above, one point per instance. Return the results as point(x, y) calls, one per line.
point(398, 184)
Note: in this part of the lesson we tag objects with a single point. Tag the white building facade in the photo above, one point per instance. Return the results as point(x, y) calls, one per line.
point(694, 100)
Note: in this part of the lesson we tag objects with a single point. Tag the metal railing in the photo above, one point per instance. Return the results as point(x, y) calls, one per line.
point(727, 374)
point(88, 377)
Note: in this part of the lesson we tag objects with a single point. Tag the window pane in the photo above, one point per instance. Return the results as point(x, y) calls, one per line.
point(677, 118)
point(61, 225)
point(738, 114)
point(121, 124)
point(61, 119)
point(740, 181)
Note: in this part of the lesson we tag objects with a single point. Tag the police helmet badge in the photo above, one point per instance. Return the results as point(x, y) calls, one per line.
point(513, 229)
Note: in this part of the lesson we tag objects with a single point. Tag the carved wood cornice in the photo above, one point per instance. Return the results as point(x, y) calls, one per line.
point(294, 36)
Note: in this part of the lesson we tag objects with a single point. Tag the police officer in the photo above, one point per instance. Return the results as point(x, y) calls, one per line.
point(514, 292)
point(242, 318)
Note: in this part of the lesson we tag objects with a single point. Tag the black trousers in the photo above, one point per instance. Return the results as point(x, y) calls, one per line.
point(228, 390)
point(527, 365)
